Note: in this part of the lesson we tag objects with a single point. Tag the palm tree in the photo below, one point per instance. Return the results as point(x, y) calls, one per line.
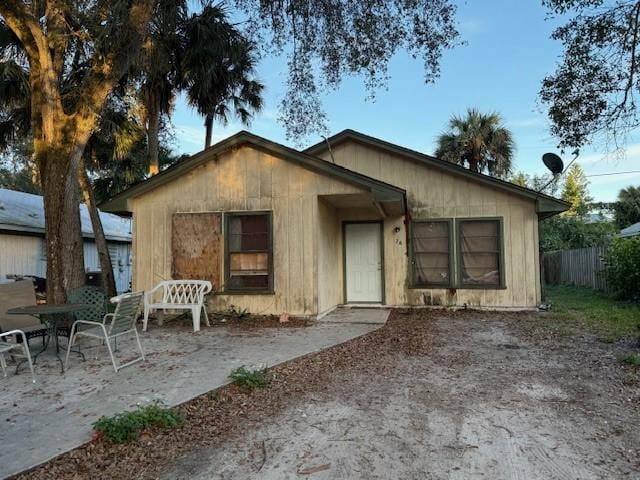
point(480, 141)
point(627, 207)
point(158, 71)
point(217, 68)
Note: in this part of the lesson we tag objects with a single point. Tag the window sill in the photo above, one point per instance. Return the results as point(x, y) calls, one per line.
point(458, 287)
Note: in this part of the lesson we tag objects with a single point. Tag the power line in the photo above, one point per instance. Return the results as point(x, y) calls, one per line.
point(611, 173)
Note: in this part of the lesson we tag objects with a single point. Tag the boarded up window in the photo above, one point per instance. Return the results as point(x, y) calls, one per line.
point(248, 257)
point(196, 246)
point(479, 256)
point(431, 253)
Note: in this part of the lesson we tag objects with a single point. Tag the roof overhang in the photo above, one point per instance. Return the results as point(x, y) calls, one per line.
point(381, 192)
point(546, 205)
point(39, 232)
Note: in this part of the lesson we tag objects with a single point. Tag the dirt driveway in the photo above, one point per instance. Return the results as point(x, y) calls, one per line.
point(495, 396)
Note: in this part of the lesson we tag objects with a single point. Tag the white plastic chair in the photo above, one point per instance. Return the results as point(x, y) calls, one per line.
point(11, 347)
point(122, 322)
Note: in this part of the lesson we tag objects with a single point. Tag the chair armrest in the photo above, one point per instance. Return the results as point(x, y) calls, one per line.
point(108, 315)
point(89, 322)
point(148, 293)
point(11, 333)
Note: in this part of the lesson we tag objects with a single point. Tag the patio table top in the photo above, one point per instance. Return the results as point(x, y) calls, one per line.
point(49, 309)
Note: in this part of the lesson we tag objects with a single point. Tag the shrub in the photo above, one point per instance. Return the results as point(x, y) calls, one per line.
point(563, 232)
point(631, 359)
point(258, 378)
point(126, 427)
point(622, 267)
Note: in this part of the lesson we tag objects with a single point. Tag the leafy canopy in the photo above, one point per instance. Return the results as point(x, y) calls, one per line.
point(328, 41)
point(593, 92)
point(576, 192)
point(480, 141)
point(627, 208)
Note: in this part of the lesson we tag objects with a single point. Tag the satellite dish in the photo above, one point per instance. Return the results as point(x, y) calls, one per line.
point(553, 162)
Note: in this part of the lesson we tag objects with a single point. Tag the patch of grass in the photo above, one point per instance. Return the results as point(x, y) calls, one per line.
point(258, 378)
point(631, 359)
point(126, 427)
point(588, 309)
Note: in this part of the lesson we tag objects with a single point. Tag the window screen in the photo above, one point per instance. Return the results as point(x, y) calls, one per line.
point(431, 255)
point(249, 252)
point(479, 256)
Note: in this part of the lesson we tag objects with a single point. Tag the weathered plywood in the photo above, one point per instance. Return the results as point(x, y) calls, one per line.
point(196, 247)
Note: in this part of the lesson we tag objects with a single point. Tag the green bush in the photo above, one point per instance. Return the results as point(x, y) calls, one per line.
point(126, 427)
point(258, 378)
point(631, 359)
point(622, 267)
point(563, 232)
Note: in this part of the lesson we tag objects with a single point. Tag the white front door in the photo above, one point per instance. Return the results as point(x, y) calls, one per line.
point(363, 262)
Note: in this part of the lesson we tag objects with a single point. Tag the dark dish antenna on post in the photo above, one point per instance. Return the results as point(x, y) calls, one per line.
point(556, 166)
point(329, 147)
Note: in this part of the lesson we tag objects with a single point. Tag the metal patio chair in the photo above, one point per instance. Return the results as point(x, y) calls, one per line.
point(20, 294)
point(15, 349)
point(113, 325)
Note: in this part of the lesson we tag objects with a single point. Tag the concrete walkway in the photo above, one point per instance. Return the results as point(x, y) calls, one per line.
point(56, 414)
point(363, 315)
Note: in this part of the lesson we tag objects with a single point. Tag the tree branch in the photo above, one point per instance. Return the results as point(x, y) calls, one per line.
point(24, 25)
point(107, 70)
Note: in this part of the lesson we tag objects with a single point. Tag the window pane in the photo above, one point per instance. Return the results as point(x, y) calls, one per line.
point(248, 256)
point(480, 252)
point(257, 282)
point(430, 253)
point(249, 232)
point(249, 262)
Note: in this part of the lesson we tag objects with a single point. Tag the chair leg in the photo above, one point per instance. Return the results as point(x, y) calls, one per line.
point(146, 318)
point(195, 313)
point(28, 355)
point(206, 317)
point(139, 344)
point(108, 342)
point(3, 364)
point(72, 339)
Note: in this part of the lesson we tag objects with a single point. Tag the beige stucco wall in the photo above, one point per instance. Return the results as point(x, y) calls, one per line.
point(247, 179)
point(434, 193)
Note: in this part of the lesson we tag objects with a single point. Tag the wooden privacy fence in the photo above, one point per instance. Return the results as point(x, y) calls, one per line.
point(581, 267)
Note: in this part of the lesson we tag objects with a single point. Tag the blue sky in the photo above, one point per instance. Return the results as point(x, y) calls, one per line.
point(507, 54)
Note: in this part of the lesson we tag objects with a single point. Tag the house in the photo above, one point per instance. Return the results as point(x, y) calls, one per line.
point(22, 247)
point(351, 220)
point(630, 231)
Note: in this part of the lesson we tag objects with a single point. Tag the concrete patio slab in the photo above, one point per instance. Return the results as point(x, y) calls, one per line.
point(43, 420)
point(363, 315)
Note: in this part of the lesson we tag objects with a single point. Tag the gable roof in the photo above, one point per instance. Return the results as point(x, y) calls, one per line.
point(631, 230)
point(24, 212)
point(546, 204)
point(381, 191)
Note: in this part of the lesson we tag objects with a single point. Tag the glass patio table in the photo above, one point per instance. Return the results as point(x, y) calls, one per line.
point(52, 315)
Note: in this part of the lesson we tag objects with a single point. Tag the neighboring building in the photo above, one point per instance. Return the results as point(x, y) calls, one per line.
point(364, 222)
point(22, 247)
point(630, 231)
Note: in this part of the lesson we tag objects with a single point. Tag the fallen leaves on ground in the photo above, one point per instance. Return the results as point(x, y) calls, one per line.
point(216, 415)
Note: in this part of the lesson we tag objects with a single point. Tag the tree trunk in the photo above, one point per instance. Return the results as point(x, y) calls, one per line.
point(208, 124)
point(63, 235)
point(474, 161)
point(108, 279)
point(153, 140)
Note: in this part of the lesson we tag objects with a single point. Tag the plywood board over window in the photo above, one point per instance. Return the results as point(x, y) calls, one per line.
point(196, 246)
